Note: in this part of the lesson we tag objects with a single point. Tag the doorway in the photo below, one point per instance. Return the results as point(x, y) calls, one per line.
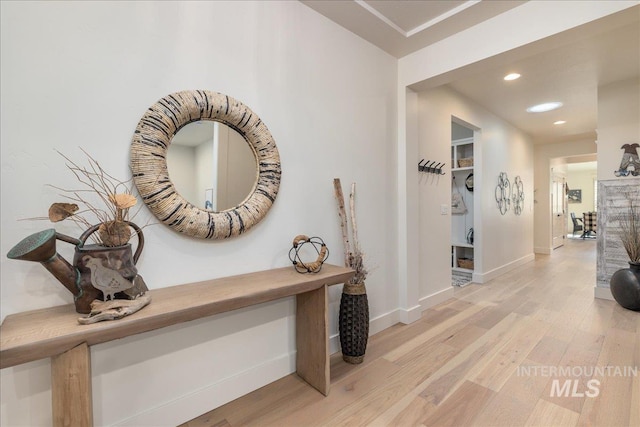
point(463, 252)
point(558, 210)
point(582, 185)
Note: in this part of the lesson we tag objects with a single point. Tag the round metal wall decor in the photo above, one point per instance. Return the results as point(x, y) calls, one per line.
point(149, 147)
point(503, 193)
point(518, 195)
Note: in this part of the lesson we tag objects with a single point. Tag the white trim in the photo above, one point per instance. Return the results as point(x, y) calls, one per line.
point(489, 275)
point(334, 341)
point(380, 16)
point(441, 18)
point(540, 250)
point(376, 325)
point(436, 298)
point(214, 395)
point(602, 293)
point(421, 27)
point(383, 322)
point(409, 315)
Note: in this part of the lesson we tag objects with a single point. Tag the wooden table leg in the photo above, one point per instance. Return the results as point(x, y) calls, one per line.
point(312, 339)
point(71, 388)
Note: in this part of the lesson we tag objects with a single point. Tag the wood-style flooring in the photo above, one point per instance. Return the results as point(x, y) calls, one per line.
point(459, 364)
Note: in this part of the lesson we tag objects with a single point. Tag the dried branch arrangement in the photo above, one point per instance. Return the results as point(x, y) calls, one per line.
point(630, 236)
point(114, 194)
point(354, 258)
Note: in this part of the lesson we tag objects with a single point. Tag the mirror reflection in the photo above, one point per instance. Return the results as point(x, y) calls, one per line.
point(211, 165)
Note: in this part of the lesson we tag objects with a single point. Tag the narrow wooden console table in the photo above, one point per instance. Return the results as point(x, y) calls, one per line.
point(54, 332)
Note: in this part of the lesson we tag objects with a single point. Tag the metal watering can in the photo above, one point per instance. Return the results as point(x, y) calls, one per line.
point(97, 271)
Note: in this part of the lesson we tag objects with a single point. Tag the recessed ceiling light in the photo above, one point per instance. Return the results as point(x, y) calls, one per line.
point(512, 76)
point(560, 122)
point(547, 106)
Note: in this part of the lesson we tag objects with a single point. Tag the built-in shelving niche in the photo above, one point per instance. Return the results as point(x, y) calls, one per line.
point(462, 241)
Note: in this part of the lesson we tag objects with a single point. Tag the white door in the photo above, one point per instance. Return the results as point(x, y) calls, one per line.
point(558, 212)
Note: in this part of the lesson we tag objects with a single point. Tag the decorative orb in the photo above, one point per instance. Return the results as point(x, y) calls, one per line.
point(308, 266)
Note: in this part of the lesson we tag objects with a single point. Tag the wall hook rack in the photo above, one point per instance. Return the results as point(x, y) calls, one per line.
point(431, 167)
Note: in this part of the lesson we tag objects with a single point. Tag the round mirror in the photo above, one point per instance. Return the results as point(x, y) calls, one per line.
point(187, 211)
point(211, 165)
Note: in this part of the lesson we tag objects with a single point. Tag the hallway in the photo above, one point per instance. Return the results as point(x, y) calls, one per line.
point(491, 356)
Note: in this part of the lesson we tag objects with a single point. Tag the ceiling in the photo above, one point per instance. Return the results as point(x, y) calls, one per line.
point(400, 27)
point(568, 67)
point(583, 167)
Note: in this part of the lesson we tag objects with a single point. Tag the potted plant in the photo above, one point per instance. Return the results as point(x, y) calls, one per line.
point(625, 283)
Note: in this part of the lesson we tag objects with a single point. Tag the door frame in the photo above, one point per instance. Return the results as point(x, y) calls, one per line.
point(558, 209)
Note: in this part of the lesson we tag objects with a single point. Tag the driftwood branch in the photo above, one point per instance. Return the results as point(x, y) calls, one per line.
point(343, 220)
point(354, 257)
point(113, 309)
point(352, 209)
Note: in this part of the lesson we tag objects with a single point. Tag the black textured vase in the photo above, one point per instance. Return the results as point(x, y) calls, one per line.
point(353, 322)
point(625, 286)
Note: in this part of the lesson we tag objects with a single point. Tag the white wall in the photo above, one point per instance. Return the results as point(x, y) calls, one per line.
point(618, 123)
point(544, 156)
point(501, 240)
point(204, 171)
point(83, 73)
point(439, 64)
point(182, 166)
point(236, 169)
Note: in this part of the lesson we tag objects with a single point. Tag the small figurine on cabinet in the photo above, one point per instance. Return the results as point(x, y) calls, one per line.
point(629, 158)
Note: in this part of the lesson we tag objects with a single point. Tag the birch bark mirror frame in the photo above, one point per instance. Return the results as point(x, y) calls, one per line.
point(152, 139)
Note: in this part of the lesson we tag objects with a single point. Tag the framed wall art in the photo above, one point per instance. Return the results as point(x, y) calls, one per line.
point(574, 196)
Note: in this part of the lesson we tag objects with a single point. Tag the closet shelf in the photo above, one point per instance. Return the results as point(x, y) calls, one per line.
point(462, 244)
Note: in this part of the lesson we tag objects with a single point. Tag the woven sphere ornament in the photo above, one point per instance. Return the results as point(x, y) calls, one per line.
point(308, 266)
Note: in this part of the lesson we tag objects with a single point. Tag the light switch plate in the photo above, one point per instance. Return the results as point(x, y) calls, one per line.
point(444, 209)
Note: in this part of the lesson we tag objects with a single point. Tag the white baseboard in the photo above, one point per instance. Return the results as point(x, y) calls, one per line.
point(190, 406)
point(602, 293)
point(376, 325)
point(383, 322)
point(478, 278)
point(545, 251)
point(215, 395)
point(409, 315)
point(485, 277)
point(405, 316)
point(436, 298)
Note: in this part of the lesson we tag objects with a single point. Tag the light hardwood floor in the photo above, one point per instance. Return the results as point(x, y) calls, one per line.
point(459, 364)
